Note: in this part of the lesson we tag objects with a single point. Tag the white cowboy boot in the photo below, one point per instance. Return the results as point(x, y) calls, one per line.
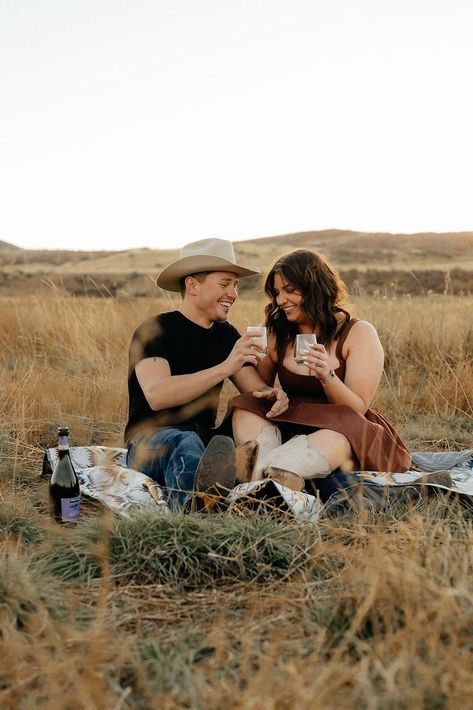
point(252, 456)
point(298, 457)
point(269, 441)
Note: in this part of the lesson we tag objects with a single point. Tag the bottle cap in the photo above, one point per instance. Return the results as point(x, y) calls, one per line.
point(63, 431)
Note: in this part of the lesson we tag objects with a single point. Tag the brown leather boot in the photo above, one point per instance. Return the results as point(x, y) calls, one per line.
point(246, 455)
point(285, 478)
point(215, 475)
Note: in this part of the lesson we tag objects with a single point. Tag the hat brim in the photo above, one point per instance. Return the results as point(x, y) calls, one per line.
point(170, 277)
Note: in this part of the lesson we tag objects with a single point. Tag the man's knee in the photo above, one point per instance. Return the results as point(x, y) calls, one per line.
point(188, 440)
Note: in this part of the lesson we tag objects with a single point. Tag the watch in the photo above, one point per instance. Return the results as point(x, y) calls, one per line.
point(329, 378)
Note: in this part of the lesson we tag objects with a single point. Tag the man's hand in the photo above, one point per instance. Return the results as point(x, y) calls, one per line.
point(245, 350)
point(281, 403)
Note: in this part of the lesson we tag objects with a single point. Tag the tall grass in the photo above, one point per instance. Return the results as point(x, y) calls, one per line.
point(244, 610)
point(65, 360)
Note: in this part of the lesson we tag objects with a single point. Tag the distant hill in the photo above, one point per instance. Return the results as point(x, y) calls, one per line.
point(6, 246)
point(369, 263)
point(367, 249)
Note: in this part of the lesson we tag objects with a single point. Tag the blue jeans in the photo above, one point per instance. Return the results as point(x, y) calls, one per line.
point(336, 481)
point(170, 456)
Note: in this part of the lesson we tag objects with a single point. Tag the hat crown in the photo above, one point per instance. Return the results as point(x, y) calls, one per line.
point(221, 248)
point(205, 255)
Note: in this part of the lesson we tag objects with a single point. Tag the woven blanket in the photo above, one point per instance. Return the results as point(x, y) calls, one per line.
point(103, 476)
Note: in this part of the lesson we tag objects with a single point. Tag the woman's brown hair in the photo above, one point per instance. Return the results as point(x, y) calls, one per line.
point(324, 295)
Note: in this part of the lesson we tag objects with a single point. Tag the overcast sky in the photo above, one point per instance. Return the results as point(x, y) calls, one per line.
point(129, 123)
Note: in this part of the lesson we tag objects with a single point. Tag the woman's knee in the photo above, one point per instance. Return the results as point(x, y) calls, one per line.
point(239, 415)
point(246, 425)
point(334, 445)
point(331, 437)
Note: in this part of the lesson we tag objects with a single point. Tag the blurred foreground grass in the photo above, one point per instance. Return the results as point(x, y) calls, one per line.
point(246, 610)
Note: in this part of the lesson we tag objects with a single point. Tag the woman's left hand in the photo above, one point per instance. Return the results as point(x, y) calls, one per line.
point(276, 393)
point(316, 360)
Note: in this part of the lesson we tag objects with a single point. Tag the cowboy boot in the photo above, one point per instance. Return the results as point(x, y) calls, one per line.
point(288, 479)
point(215, 475)
point(296, 456)
point(246, 455)
point(268, 440)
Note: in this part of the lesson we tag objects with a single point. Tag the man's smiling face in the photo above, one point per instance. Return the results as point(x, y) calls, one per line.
point(216, 295)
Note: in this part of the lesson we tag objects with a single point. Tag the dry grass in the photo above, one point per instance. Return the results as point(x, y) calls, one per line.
point(248, 611)
point(65, 360)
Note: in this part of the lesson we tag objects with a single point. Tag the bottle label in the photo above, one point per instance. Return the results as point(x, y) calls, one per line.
point(70, 509)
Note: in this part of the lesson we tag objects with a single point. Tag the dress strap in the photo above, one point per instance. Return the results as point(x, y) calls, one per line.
point(342, 336)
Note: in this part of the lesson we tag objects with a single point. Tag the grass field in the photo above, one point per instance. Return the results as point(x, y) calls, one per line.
point(234, 611)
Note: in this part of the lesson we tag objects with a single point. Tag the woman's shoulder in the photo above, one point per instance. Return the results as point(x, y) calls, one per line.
point(360, 332)
point(360, 326)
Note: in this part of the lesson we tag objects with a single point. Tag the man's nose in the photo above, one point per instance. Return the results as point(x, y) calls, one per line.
point(232, 291)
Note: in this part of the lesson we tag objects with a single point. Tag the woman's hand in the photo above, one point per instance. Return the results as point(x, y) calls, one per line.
point(363, 355)
point(316, 359)
point(281, 400)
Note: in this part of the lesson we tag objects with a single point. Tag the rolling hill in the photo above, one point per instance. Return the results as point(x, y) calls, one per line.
point(369, 262)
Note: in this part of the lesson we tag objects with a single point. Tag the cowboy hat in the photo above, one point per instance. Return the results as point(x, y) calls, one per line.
point(205, 255)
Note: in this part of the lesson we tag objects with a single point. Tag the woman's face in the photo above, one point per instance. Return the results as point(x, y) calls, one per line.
point(289, 300)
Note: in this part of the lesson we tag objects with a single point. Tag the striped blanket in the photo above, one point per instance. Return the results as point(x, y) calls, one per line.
point(103, 476)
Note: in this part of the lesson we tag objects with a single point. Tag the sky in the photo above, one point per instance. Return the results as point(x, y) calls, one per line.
point(153, 123)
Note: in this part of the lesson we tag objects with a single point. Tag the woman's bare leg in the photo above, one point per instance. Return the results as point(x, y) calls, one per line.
point(335, 447)
point(247, 426)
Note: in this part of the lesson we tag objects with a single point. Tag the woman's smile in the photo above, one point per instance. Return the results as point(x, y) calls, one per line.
point(288, 299)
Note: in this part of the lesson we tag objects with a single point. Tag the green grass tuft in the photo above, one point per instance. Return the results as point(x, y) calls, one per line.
point(189, 551)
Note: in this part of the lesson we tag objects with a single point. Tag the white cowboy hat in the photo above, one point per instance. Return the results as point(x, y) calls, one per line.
point(206, 255)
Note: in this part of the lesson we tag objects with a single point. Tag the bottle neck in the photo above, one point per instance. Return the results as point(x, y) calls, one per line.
point(63, 446)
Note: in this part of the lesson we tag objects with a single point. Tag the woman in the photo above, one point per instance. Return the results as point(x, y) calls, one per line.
point(329, 423)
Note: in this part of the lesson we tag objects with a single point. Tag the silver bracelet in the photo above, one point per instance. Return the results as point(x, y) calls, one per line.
point(329, 378)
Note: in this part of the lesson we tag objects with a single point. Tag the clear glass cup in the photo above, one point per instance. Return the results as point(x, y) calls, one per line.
point(302, 346)
point(262, 341)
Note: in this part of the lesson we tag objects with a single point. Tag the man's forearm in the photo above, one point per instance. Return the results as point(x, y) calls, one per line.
point(247, 380)
point(180, 389)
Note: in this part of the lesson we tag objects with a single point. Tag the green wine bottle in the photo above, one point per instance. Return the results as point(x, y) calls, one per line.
point(64, 490)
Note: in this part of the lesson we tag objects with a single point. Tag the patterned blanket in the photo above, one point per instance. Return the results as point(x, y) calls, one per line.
point(103, 476)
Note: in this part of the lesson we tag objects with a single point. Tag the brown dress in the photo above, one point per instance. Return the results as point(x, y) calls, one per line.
point(374, 442)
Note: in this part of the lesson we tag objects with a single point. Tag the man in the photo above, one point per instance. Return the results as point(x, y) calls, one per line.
point(178, 362)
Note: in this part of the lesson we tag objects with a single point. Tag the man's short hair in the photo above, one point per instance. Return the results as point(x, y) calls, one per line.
point(200, 276)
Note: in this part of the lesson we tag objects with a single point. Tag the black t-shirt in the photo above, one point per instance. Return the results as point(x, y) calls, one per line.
point(188, 348)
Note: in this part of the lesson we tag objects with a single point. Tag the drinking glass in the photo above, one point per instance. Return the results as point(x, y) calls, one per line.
point(262, 341)
point(302, 346)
